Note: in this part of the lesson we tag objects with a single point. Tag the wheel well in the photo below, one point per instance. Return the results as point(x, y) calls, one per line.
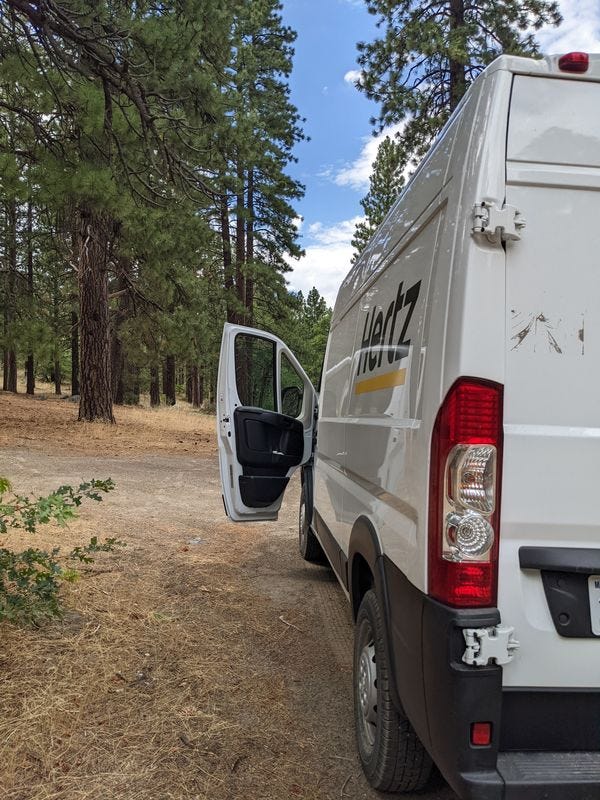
point(362, 581)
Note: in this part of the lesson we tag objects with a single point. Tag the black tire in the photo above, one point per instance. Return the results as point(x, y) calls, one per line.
point(392, 756)
point(308, 544)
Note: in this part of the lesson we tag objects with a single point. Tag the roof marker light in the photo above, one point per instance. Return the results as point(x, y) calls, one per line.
point(574, 62)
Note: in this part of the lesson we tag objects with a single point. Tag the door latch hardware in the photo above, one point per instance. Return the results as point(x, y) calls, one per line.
point(497, 224)
point(486, 644)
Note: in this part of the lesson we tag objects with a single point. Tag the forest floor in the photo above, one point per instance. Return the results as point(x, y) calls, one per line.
point(205, 660)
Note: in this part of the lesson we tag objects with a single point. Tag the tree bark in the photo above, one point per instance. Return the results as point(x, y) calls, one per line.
point(57, 377)
point(250, 251)
point(169, 380)
point(94, 328)
point(197, 387)
point(154, 387)
point(227, 261)
point(117, 362)
point(458, 84)
point(189, 383)
point(30, 362)
point(240, 248)
point(74, 353)
point(10, 357)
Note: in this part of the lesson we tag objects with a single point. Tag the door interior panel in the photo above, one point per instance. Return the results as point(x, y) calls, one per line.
point(267, 439)
point(259, 491)
point(268, 445)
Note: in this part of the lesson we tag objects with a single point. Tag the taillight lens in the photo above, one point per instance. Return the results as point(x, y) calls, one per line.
point(574, 62)
point(464, 503)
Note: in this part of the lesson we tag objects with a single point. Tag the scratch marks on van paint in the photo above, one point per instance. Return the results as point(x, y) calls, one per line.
point(539, 333)
point(521, 335)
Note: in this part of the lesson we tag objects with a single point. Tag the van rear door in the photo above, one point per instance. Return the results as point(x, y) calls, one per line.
point(265, 419)
point(550, 537)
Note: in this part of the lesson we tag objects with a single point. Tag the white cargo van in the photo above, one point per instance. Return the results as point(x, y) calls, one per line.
point(451, 461)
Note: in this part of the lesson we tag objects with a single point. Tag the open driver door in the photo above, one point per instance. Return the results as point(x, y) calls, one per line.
point(265, 420)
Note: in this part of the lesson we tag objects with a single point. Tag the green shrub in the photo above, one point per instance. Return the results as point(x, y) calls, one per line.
point(30, 580)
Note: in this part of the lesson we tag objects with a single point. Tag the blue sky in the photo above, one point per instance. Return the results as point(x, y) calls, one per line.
point(335, 164)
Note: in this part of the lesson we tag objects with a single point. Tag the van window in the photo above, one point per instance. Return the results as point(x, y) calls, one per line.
point(255, 371)
point(554, 121)
point(292, 389)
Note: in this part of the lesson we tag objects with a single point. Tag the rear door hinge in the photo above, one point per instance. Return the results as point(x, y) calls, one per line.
point(489, 644)
point(497, 224)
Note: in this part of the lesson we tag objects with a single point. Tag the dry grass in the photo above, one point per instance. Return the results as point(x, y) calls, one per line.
point(52, 423)
point(157, 684)
point(171, 676)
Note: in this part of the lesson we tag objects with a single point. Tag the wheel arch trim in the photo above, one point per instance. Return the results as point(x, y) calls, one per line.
point(365, 544)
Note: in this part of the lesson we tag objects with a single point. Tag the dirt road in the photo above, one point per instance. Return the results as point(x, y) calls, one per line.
point(205, 661)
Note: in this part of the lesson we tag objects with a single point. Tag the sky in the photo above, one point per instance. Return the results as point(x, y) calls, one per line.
point(334, 164)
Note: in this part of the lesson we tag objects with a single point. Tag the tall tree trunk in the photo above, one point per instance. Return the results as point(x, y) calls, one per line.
point(56, 327)
point(189, 383)
point(11, 381)
point(74, 353)
point(94, 328)
point(10, 359)
point(169, 379)
point(30, 362)
point(154, 387)
point(196, 387)
point(119, 362)
point(250, 251)
point(458, 84)
point(57, 376)
point(227, 260)
point(240, 248)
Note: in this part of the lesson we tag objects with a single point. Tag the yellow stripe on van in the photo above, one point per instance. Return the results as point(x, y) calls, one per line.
point(386, 381)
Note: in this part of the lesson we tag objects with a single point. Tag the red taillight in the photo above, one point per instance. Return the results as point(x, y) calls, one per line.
point(481, 734)
point(574, 62)
point(468, 429)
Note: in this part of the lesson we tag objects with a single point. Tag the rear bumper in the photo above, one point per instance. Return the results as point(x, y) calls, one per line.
point(443, 697)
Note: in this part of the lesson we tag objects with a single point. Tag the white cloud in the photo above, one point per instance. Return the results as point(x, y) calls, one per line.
point(340, 233)
point(357, 173)
point(352, 76)
point(580, 29)
point(327, 260)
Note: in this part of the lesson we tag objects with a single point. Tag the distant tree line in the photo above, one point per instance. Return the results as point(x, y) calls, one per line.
point(144, 197)
point(419, 68)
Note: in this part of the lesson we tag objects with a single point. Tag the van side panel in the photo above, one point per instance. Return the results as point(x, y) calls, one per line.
point(330, 481)
point(390, 352)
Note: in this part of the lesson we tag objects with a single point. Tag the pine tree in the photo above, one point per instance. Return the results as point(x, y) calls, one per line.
point(120, 99)
point(256, 215)
point(385, 184)
point(429, 54)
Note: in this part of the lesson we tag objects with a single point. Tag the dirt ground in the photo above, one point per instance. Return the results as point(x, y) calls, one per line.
point(206, 660)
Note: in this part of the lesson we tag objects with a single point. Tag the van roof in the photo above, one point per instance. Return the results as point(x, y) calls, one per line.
point(548, 65)
point(364, 269)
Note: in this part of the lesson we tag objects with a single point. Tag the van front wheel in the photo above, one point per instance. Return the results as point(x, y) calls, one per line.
point(392, 756)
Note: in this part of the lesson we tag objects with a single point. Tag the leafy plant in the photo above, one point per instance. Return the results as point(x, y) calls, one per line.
point(30, 580)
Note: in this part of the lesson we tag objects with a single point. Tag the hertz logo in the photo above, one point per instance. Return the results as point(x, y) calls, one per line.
point(381, 338)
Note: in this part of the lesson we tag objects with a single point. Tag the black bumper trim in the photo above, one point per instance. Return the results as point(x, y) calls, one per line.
point(442, 697)
point(551, 776)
